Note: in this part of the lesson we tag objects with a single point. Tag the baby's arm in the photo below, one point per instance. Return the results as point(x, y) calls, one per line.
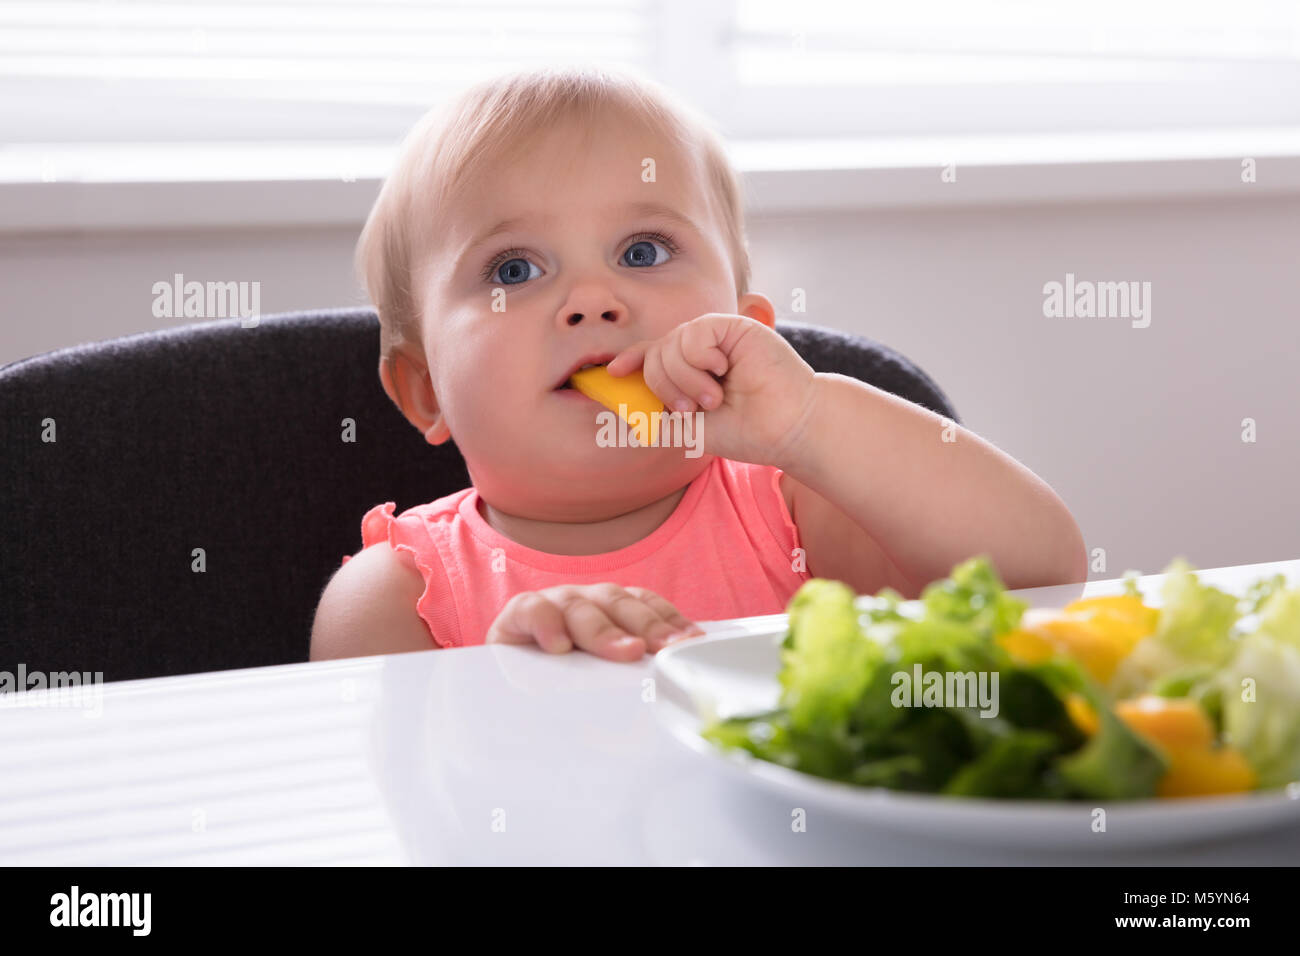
point(369, 607)
point(873, 483)
point(835, 547)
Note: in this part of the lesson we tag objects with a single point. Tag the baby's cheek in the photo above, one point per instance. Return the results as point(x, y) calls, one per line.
point(499, 427)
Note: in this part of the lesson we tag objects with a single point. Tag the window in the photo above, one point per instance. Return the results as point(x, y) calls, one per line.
point(144, 70)
point(947, 67)
point(197, 70)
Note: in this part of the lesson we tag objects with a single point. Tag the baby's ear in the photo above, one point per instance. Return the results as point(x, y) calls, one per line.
point(406, 380)
point(758, 306)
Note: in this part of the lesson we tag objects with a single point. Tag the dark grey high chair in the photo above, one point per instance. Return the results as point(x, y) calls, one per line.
point(227, 439)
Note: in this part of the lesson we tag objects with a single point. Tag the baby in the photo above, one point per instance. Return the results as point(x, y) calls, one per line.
point(549, 220)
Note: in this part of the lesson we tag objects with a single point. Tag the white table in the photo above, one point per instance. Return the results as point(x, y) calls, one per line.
point(487, 755)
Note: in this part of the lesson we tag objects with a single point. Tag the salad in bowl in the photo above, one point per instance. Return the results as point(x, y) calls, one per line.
point(968, 692)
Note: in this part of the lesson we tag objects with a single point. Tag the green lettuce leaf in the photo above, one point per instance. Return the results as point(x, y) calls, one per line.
point(1279, 616)
point(1115, 763)
point(1195, 632)
point(1260, 704)
point(1196, 620)
point(828, 660)
point(1261, 591)
point(973, 595)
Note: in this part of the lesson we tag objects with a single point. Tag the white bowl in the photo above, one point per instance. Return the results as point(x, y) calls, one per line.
point(735, 675)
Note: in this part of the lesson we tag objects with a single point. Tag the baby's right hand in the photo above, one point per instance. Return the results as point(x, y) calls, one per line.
point(617, 623)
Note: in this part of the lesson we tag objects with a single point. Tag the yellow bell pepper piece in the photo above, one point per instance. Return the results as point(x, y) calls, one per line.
point(1097, 632)
point(1169, 721)
point(1197, 772)
point(1122, 618)
point(1097, 652)
point(1182, 730)
point(628, 391)
point(1026, 647)
point(1081, 713)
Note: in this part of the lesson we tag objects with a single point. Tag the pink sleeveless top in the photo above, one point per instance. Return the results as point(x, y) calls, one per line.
point(727, 550)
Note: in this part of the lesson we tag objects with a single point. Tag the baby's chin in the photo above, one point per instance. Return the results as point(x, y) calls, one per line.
point(581, 473)
point(596, 503)
point(583, 464)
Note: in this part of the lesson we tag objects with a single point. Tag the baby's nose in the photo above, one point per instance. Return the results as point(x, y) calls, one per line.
point(576, 317)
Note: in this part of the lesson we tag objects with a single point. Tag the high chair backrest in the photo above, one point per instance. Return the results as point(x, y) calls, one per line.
point(127, 465)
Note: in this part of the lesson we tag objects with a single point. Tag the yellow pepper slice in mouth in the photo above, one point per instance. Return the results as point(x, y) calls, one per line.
point(624, 396)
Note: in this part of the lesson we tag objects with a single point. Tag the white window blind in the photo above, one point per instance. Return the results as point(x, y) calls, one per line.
point(1014, 41)
point(132, 69)
point(951, 66)
point(199, 70)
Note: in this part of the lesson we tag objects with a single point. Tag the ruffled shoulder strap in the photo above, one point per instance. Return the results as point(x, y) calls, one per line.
point(406, 533)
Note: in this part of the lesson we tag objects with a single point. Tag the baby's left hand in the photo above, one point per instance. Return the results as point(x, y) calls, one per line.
point(765, 389)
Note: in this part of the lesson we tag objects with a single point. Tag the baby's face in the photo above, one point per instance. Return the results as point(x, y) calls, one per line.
point(592, 258)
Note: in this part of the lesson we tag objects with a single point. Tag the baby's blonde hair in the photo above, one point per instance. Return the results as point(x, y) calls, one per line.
point(495, 119)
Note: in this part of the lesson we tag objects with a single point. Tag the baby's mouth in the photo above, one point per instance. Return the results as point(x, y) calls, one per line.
point(567, 384)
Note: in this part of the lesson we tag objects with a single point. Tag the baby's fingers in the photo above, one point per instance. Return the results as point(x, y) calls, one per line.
point(528, 617)
point(594, 630)
point(696, 384)
point(625, 361)
point(679, 623)
point(627, 609)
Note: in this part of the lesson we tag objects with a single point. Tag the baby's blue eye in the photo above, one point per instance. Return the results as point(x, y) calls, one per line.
point(514, 271)
point(643, 254)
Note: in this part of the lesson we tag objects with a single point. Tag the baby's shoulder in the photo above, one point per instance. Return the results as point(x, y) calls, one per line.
point(369, 606)
point(383, 565)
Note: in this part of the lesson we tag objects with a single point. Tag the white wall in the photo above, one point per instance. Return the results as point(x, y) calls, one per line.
point(1139, 430)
